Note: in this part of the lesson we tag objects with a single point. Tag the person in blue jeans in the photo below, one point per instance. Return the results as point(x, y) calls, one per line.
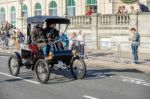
point(135, 42)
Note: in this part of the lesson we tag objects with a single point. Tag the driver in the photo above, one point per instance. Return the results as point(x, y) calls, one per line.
point(52, 34)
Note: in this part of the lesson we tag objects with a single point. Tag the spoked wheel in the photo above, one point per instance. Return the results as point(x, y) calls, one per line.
point(78, 68)
point(13, 65)
point(42, 71)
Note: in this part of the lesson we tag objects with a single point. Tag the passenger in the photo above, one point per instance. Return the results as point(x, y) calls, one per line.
point(38, 34)
point(50, 29)
point(39, 38)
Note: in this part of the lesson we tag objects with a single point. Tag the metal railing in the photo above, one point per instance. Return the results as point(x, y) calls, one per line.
point(118, 52)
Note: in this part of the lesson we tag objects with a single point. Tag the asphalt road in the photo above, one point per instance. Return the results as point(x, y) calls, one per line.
point(100, 83)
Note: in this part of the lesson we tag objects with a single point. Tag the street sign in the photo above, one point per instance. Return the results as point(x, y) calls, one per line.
point(129, 1)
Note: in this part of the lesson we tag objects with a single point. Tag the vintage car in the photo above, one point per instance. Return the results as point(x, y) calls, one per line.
point(32, 57)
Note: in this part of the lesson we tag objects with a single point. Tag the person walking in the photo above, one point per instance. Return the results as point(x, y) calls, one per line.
point(135, 42)
point(6, 37)
point(6, 34)
point(21, 39)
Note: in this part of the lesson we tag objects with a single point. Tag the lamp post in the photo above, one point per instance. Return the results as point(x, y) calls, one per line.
point(66, 8)
point(21, 3)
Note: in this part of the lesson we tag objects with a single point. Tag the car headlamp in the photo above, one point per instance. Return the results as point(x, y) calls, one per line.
point(50, 55)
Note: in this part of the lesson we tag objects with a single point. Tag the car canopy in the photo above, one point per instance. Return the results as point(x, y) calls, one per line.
point(49, 19)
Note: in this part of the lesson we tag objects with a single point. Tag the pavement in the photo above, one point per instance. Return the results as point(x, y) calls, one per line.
point(98, 61)
point(100, 83)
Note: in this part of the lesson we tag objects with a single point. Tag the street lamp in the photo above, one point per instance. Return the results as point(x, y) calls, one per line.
point(66, 9)
point(21, 3)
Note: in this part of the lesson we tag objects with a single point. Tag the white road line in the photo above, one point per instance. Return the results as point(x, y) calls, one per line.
point(135, 81)
point(131, 78)
point(89, 97)
point(34, 82)
point(3, 56)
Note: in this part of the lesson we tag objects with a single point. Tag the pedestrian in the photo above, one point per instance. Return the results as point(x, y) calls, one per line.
point(6, 37)
point(132, 10)
point(13, 36)
point(21, 39)
point(3, 39)
point(73, 42)
point(124, 10)
point(135, 42)
point(6, 34)
point(16, 39)
point(65, 41)
point(89, 11)
point(142, 7)
point(80, 40)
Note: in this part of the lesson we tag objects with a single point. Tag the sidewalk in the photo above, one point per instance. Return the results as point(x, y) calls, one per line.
point(98, 62)
point(107, 64)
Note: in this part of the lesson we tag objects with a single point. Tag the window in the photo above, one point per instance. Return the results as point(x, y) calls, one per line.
point(24, 11)
point(13, 16)
point(92, 4)
point(53, 8)
point(2, 15)
point(38, 9)
point(71, 9)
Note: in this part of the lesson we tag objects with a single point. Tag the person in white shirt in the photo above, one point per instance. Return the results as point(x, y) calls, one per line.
point(81, 42)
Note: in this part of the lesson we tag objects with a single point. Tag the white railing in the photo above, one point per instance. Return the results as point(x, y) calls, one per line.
point(80, 22)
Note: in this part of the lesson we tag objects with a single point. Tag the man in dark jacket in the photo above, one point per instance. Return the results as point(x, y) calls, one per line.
point(143, 7)
point(52, 34)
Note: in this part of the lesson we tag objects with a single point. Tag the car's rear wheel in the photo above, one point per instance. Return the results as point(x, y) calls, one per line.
point(13, 65)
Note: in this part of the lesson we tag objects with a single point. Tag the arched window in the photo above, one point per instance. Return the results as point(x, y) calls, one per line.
point(92, 4)
point(2, 15)
point(71, 9)
point(13, 16)
point(38, 9)
point(53, 8)
point(24, 11)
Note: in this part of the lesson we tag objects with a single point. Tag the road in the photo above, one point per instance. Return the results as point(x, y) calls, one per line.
point(100, 83)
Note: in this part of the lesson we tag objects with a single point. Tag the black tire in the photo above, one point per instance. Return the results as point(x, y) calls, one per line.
point(75, 69)
point(13, 65)
point(41, 67)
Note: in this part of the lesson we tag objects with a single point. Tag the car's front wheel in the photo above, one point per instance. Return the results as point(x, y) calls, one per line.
point(42, 71)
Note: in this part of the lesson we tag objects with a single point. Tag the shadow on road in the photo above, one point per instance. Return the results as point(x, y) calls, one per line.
point(104, 73)
point(61, 76)
point(64, 76)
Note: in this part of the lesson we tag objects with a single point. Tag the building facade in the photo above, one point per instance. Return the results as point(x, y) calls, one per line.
point(11, 10)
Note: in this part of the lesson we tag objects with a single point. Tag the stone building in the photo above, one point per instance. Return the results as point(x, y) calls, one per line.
point(10, 10)
point(104, 25)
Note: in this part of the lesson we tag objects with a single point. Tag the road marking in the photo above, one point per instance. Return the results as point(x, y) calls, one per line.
point(34, 82)
point(89, 97)
point(135, 81)
point(3, 56)
point(131, 78)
